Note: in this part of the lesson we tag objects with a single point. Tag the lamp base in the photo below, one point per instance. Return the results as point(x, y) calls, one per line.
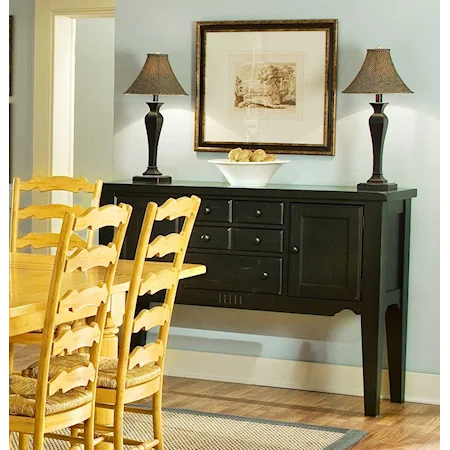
point(153, 179)
point(383, 187)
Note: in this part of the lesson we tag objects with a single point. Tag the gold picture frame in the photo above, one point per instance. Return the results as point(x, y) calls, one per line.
point(266, 84)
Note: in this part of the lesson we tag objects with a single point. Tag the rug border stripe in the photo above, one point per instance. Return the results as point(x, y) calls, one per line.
point(346, 441)
point(345, 431)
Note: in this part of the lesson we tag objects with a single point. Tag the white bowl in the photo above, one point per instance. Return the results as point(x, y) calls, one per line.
point(247, 174)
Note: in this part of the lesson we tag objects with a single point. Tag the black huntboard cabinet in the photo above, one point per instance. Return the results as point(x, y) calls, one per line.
point(296, 249)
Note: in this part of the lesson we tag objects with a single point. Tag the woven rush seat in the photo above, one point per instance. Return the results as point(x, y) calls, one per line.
point(107, 372)
point(22, 398)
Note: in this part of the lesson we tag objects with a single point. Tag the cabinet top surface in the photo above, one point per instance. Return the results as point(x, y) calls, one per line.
point(351, 191)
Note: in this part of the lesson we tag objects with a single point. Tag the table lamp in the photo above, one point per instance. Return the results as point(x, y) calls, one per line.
point(156, 78)
point(377, 76)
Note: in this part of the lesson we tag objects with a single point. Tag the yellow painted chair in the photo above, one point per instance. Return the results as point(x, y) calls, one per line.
point(40, 240)
point(138, 374)
point(61, 399)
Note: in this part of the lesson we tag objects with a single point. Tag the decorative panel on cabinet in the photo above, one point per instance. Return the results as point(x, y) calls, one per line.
point(307, 250)
point(325, 251)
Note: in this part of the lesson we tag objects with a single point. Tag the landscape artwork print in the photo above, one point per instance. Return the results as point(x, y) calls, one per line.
point(267, 85)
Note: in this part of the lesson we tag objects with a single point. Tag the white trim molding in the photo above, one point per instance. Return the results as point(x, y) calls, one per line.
point(335, 379)
point(44, 64)
point(54, 96)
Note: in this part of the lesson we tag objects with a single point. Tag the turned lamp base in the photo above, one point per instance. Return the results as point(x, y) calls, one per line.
point(153, 179)
point(378, 123)
point(383, 187)
point(153, 124)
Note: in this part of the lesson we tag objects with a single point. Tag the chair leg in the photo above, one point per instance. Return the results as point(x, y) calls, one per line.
point(157, 419)
point(10, 436)
point(24, 440)
point(118, 427)
point(89, 434)
point(38, 442)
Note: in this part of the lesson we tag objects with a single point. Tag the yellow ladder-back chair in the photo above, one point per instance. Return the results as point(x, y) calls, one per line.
point(139, 374)
point(47, 212)
point(63, 398)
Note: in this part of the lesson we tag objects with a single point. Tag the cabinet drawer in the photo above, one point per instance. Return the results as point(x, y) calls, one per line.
point(214, 211)
point(258, 212)
point(211, 237)
point(257, 240)
point(228, 273)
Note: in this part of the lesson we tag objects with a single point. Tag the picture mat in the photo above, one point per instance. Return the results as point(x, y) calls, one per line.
point(224, 123)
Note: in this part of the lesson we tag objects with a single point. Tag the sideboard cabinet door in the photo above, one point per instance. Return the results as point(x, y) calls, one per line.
point(325, 251)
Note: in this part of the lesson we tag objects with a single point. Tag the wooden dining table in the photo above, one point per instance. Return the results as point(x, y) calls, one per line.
point(29, 281)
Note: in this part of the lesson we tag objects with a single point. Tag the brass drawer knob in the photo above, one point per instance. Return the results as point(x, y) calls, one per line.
point(264, 276)
point(258, 213)
point(257, 241)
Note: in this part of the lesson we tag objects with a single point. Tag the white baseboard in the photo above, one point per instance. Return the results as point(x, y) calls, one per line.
point(347, 380)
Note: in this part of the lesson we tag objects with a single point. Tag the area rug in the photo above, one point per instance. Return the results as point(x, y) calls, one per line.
point(190, 430)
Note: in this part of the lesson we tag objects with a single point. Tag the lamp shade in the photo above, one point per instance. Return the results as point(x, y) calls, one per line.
point(377, 75)
point(156, 78)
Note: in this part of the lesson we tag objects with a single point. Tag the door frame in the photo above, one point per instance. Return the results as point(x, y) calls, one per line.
point(46, 12)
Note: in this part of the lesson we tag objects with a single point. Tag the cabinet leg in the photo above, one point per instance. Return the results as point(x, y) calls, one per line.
point(396, 351)
point(372, 328)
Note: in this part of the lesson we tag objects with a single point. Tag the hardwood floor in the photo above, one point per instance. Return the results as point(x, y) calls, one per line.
point(408, 426)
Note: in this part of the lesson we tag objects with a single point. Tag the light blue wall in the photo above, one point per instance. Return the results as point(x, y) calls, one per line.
point(410, 28)
point(22, 88)
point(94, 103)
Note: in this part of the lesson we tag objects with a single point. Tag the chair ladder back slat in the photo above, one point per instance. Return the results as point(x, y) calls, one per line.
point(45, 240)
point(74, 301)
point(150, 353)
point(72, 340)
point(173, 208)
point(164, 245)
point(150, 318)
point(87, 258)
point(53, 211)
point(153, 283)
point(65, 380)
point(58, 183)
point(95, 218)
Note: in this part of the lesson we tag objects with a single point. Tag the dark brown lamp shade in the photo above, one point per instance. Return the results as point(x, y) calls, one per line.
point(156, 78)
point(377, 75)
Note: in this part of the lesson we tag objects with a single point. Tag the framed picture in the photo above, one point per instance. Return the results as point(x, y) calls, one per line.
point(10, 52)
point(266, 84)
